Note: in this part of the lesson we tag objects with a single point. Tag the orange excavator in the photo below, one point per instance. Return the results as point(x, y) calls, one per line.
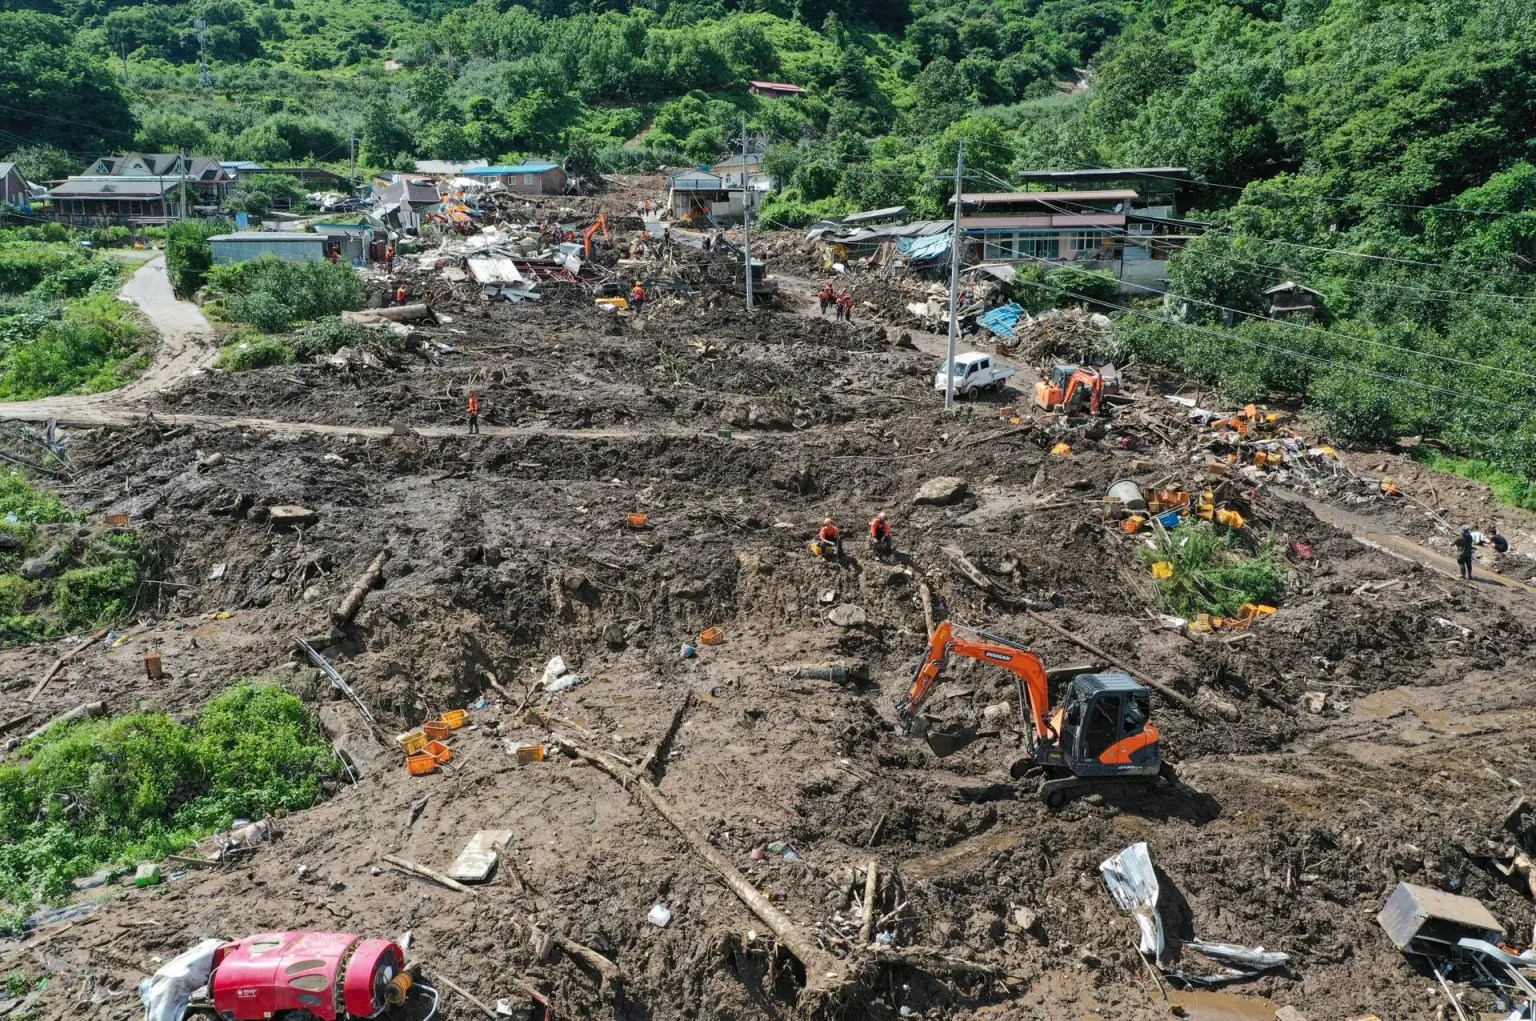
point(1100, 736)
point(600, 224)
point(1068, 387)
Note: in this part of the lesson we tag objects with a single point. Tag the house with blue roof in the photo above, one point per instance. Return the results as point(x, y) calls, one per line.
point(535, 177)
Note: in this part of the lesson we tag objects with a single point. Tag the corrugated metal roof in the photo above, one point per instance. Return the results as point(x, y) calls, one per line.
point(1106, 195)
point(494, 271)
point(114, 187)
point(779, 86)
point(270, 235)
point(920, 228)
point(520, 168)
point(890, 213)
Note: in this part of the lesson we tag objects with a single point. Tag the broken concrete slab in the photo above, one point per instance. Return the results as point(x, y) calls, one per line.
point(284, 515)
point(941, 492)
point(476, 862)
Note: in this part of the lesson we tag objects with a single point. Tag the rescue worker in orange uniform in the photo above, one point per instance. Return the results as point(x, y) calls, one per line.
point(637, 297)
point(880, 533)
point(830, 538)
point(400, 295)
point(825, 297)
point(389, 259)
point(845, 302)
point(474, 412)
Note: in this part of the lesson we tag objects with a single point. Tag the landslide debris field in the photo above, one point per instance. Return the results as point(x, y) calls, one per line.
point(736, 435)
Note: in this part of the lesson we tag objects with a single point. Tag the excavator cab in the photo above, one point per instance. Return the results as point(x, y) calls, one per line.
point(1070, 388)
point(1104, 729)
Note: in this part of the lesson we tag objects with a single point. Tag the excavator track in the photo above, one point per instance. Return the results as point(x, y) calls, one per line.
point(1058, 793)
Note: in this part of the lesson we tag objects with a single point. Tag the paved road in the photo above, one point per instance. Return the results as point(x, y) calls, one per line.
point(186, 342)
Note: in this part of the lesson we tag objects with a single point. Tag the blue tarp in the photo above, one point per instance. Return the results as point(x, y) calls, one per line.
point(924, 249)
point(1002, 321)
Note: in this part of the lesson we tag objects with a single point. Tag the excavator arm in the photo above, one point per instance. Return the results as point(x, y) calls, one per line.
point(1090, 379)
point(1024, 663)
point(600, 224)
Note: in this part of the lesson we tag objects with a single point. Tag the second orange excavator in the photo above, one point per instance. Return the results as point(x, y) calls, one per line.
point(1102, 733)
point(1069, 388)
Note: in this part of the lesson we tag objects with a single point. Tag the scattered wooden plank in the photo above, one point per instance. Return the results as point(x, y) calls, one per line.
point(58, 664)
point(426, 873)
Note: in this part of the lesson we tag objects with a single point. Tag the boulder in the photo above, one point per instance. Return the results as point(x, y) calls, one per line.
point(941, 492)
point(291, 516)
point(847, 615)
point(45, 566)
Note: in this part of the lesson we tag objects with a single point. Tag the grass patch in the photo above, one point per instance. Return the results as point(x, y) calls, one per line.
point(253, 351)
point(1506, 486)
point(112, 792)
point(1211, 572)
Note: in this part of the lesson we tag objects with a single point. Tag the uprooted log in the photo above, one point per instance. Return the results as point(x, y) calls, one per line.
point(371, 578)
point(871, 884)
point(391, 314)
point(425, 873)
point(78, 713)
point(823, 972)
point(1175, 697)
point(976, 576)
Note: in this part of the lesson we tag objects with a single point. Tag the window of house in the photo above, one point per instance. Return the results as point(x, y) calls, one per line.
point(527, 178)
point(1086, 241)
point(1038, 247)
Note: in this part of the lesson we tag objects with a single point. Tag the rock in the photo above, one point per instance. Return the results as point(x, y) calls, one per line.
point(9, 541)
point(941, 492)
point(45, 566)
point(1025, 918)
point(1314, 702)
point(828, 597)
point(847, 615)
point(137, 507)
point(1289, 1014)
point(286, 515)
point(997, 715)
point(212, 460)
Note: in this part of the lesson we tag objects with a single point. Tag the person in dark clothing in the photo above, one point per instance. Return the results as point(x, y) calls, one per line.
point(1464, 553)
point(1500, 544)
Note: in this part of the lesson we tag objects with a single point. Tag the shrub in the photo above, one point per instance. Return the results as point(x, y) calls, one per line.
point(188, 255)
point(1210, 574)
point(89, 596)
point(261, 309)
point(253, 351)
point(116, 791)
point(328, 336)
point(15, 593)
point(31, 506)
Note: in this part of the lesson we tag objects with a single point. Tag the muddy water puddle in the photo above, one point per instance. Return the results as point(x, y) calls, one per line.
point(1205, 1005)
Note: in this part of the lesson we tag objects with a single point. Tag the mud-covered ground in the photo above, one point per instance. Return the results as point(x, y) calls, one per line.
point(736, 435)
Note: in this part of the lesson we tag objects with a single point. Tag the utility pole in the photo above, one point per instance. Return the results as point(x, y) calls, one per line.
point(202, 51)
point(123, 50)
point(353, 177)
point(746, 217)
point(182, 159)
point(954, 283)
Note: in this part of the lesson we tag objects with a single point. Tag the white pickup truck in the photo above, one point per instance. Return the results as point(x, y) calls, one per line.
point(974, 371)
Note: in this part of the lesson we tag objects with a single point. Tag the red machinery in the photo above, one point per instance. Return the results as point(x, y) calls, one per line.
point(310, 975)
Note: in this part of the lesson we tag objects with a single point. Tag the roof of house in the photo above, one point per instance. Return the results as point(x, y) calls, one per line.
point(1291, 286)
point(239, 165)
point(416, 193)
point(270, 235)
point(201, 168)
point(1001, 197)
point(736, 160)
point(889, 213)
point(542, 167)
point(776, 86)
point(1102, 173)
point(6, 168)
point(448, 167)
point(105, 186)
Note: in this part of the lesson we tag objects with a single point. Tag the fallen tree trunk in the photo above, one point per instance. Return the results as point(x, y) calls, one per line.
point(58, 664)
point(426, 873)
point(78, 713)
point(372, 578)
point(976, 576)
point(391, 314)
point(1173, 696)
point(823, 972)
point(871, 883)
point(611, 974)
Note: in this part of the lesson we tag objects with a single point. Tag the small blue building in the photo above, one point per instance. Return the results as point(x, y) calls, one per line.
point(245, 245)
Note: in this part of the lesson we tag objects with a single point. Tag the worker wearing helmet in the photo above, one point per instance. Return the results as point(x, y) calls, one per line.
point(825, 297)
point(830, 538)
point(473, 409)
point(880, 533)
point(637, 297)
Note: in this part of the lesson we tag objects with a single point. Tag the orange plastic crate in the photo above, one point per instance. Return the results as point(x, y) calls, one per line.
point(440, 753)
point(436, 730)
point(421, 765)
point(413, 742)
point(714, 636)
point(639, 520)
point(456, 718)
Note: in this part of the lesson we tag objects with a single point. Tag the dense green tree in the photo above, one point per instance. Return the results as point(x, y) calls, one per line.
point(55, 94)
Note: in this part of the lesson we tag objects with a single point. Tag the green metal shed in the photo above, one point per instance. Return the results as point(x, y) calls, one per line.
point(246, 245)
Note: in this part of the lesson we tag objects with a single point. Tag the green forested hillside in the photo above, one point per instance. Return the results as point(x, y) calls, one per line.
point(1378, 152)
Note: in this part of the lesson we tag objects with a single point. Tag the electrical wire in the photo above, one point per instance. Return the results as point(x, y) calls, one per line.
point(1428, 387)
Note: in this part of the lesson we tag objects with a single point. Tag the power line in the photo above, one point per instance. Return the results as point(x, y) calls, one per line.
point(1430, 387)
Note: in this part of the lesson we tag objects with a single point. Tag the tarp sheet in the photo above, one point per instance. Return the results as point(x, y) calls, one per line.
point(1133, 883)
point(494, 272)
point(1002, 320)
point(924, 249)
